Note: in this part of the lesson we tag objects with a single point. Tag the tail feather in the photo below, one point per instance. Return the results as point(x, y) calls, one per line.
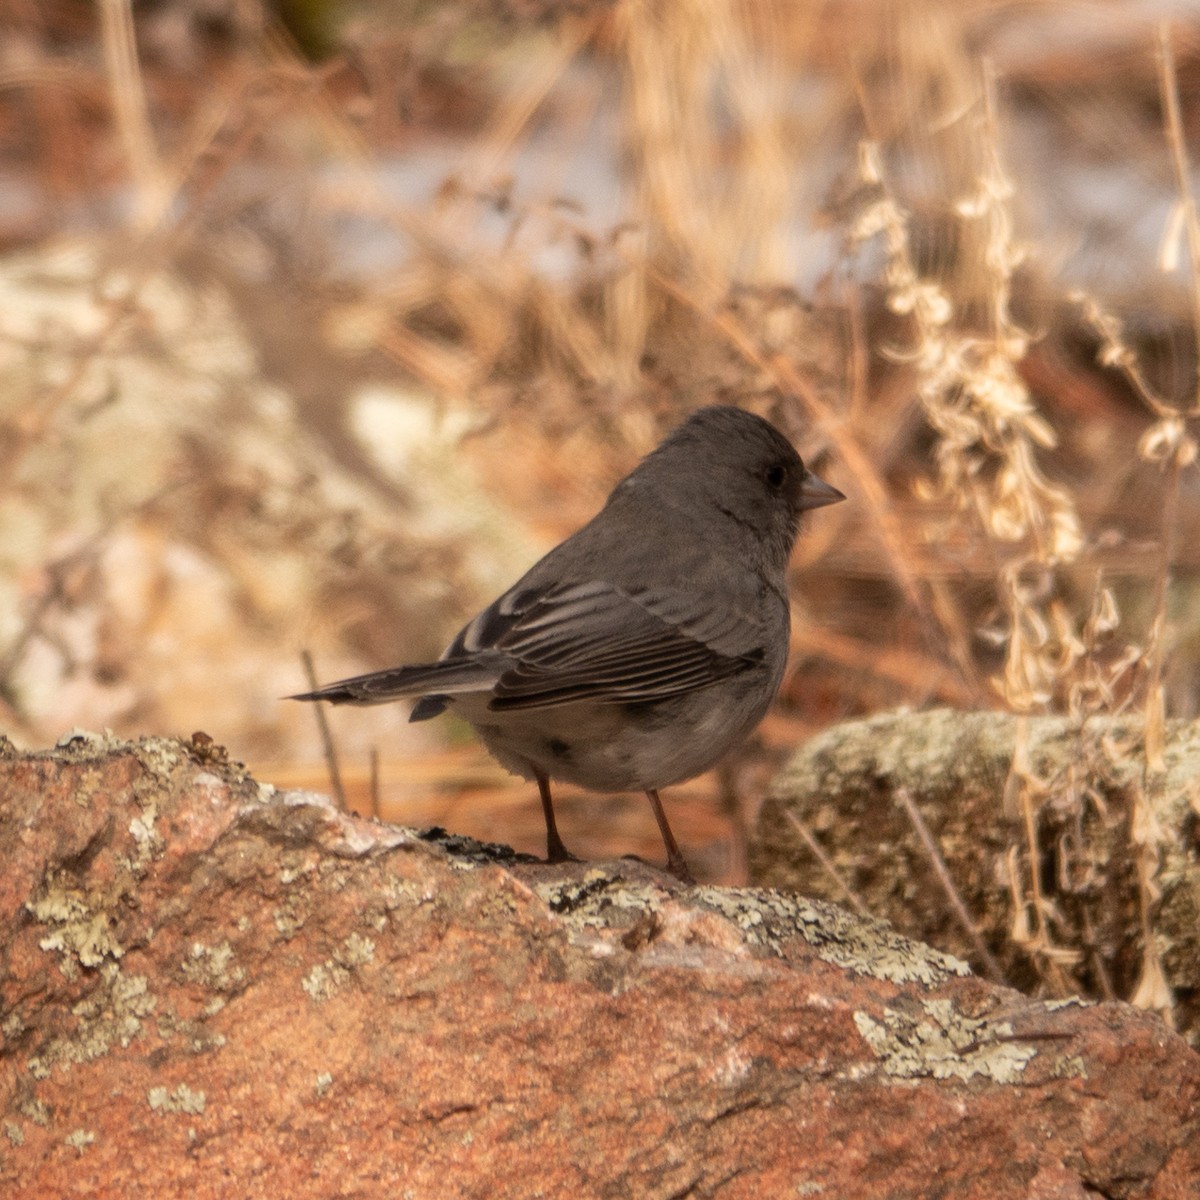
point(448, 676)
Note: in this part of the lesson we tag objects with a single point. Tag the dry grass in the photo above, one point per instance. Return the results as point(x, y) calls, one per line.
point(998, 527)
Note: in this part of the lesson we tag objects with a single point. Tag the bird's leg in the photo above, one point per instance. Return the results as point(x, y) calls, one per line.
point(676, 863)
point(556, 852)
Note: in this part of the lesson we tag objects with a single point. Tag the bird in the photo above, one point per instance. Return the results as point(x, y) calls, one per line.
point(638, 651)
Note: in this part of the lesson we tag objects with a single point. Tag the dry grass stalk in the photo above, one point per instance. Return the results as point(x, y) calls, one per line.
point(130, 113)
point(1024, 793)
point(327, 740)
point(989, 438)
point(1169, 443)
point(957, 905)
point(989, 434)
point(692, 161)
point(829, 866)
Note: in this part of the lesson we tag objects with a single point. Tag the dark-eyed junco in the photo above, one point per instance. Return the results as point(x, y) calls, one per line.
point(648, 643)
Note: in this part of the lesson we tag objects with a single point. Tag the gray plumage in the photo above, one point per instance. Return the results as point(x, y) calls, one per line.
point(639, 650)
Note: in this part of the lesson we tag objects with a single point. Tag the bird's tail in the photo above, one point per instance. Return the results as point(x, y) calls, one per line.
point(447, 676)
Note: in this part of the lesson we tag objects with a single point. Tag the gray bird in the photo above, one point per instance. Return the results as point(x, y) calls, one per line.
point(648, 643)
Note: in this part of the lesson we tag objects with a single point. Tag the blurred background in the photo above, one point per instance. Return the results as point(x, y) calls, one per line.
point(319, 322)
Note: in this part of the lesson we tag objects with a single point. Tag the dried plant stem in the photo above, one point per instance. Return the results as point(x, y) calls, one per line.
point(1041, 944)
point(500, 141)
point(677, 52)
point(132, 116)
point(376, 801)
point(988, 431)
point(1177, 143)
point(1096, 957)
point(331, 758)
point(1173, 447)
point(964, 918)
point(51, 594)
point(1169, 444)
point(828, 865)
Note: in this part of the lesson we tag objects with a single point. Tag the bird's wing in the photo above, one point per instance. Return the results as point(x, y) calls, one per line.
point(539, 646)
point(595, 641)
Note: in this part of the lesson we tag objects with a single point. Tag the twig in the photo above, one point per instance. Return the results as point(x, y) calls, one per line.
point(1098, 966)
point(335, 775)
point(731, 805)
point(131, 112)
point(1173, 126)
point(939, 867)
point(87, 556)
point(56, 573)
point(376, 806)
point(828, 866)
point(1041, 944)
point(1170, 436)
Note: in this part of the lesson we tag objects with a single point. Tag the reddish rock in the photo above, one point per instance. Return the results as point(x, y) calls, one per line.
point(212, 989)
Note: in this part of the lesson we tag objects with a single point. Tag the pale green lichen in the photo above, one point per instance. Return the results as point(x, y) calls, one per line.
point(397, 892)
point(1070, 1066)
point(160, 756)
point(79, 928)
point(213, 967)
point(182, 1100)
point(147, 840)
point(324, 1083)
point(1067, 1002)
point(356, 950)
point(845, 784)
point(196, 1035)
point(944, 1044)
point(288, 918)
point(597, 905)
point(595, 898)
point(113, 1012)
point(14, 1133)
point(764, 918)
point(326, 979)
point(38, 1111)
point(80, 1139)
point(868, 947)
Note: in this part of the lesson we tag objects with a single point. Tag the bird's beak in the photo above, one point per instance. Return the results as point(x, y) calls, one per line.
point(816, 493)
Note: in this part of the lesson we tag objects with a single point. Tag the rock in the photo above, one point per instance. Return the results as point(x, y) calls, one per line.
point(210, 988)
point(1082, 786)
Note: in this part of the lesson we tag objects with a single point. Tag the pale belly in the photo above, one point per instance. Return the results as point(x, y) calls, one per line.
point(614, 747)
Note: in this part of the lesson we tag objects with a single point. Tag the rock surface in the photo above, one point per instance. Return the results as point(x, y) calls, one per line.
point(1082, 792)
point(208, 988)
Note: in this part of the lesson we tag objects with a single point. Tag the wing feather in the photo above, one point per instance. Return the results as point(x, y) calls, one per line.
point(594, 641)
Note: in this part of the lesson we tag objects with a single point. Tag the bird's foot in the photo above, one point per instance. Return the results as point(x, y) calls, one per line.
point(556, 852)
point(678, 867)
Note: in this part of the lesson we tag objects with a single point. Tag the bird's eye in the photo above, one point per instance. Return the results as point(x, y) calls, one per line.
point(775, 477)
